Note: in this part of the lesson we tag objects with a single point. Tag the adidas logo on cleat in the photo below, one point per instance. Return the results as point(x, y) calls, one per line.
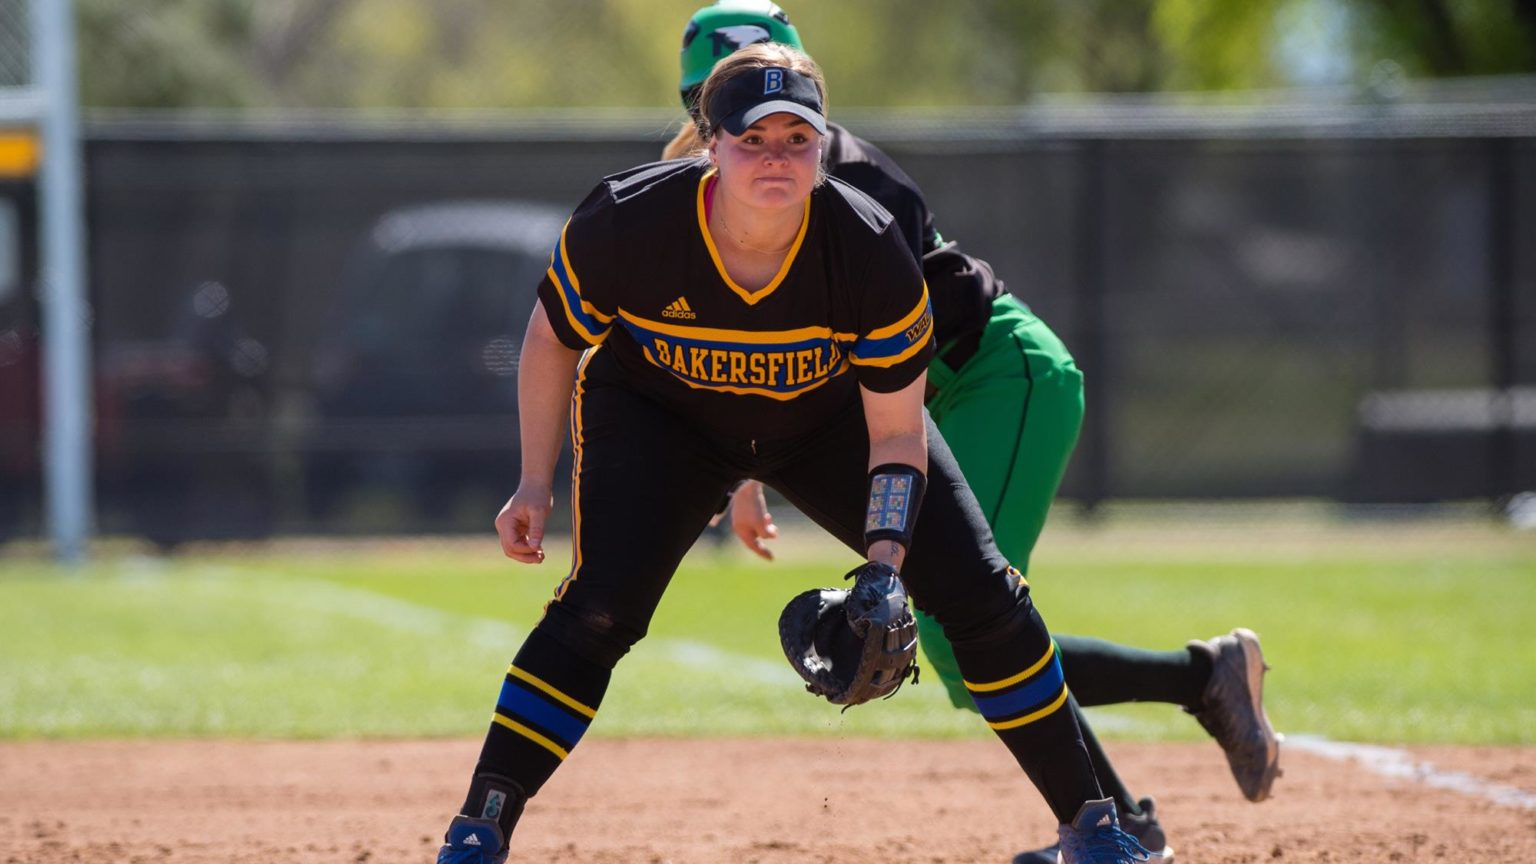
point(472, 840)
point(679, 309)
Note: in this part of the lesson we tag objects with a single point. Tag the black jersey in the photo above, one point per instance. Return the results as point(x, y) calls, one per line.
point(963, 287)
point(636, 271)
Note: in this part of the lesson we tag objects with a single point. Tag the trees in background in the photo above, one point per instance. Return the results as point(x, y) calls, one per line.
point(259, 54)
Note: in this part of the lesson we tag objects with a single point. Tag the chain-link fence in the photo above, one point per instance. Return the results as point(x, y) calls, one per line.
point(315, 326)
point(15, 44)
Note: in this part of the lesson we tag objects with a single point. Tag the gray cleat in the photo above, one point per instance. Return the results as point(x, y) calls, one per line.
point(1234, 710)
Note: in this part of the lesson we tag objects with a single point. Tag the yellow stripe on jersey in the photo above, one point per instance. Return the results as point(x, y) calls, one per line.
point(897, 342)
point(906, 321)
point(751, 297)
point(885, 362)
point(714, 334)
point(588, 323)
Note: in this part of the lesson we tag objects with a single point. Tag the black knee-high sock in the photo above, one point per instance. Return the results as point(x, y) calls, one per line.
point(1015, 677)
point(547, 700)
point(1109, 781)
point(1104, 673)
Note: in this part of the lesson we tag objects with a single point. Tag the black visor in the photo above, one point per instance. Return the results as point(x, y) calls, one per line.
point(751, 96)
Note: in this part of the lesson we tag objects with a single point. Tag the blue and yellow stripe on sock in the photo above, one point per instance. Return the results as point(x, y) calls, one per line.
point(540, 712)
point(1018, 700)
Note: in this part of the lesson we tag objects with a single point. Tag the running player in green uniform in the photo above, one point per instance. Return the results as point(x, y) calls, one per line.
point(731, 318)
point(1008, 398)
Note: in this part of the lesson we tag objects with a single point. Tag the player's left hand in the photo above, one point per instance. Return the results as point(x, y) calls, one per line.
point(751, 521)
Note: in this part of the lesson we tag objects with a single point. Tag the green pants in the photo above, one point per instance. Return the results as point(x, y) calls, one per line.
point(1011, 415)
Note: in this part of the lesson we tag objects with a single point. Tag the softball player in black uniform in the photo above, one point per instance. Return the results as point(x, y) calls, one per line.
point(1008, 398)
point(747, 321)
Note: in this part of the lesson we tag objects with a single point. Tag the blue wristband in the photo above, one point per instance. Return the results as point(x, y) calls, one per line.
point(895, 493)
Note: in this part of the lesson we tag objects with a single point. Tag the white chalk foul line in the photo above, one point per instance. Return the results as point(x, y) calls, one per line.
point(1400, 764)
point(706, 657)
point(494, 635)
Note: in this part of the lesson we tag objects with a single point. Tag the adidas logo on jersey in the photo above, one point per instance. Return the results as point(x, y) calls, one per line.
point(678, 309)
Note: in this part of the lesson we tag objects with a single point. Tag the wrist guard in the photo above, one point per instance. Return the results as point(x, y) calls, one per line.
point(895, 493)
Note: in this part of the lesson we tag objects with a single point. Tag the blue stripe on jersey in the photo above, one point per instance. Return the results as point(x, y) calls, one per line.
point(888, 350)
point(778, 369)
point(536, 708)
point(595, 329)
point(1045, 687)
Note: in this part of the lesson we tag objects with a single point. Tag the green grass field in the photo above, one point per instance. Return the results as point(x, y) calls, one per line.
point(1384, 632)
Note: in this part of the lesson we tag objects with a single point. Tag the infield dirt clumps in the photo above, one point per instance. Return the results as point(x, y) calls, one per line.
point(709, 801)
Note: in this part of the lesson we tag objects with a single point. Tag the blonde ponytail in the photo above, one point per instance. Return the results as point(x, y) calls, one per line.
point(687, 142)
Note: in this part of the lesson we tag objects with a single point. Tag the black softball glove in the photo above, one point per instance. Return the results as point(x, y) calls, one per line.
point(856, 645)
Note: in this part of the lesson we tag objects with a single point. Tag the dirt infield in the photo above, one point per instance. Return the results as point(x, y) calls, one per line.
point(715, 801)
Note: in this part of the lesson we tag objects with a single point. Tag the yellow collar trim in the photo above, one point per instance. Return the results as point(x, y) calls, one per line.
point(751, 297)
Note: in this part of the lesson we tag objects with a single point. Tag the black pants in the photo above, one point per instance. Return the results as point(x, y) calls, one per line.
point(646, 484)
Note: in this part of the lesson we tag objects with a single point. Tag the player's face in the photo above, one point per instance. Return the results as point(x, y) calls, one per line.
point(772, 163)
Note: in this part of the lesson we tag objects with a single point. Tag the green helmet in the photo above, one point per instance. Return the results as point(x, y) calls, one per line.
point(716, 31)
